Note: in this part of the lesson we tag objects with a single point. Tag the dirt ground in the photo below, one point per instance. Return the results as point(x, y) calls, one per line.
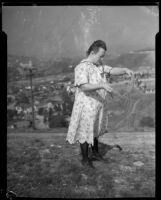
point(44, 165)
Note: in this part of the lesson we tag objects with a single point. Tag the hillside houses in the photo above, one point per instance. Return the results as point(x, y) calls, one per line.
point(48, 98)
point(49, 90)
point(145, 72)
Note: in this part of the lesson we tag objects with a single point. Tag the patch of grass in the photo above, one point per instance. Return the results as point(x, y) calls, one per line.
point(29, 130)
point(34, 169)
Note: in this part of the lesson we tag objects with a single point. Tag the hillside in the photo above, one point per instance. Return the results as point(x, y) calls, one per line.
point(15, 71)
point(42, 165)
point(134, 109)
point(133, 60)
point(126, 112)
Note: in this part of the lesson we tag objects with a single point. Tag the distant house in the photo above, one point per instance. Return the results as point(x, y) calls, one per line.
point(150, 88)
point(28, 87)
point(10, 98)
point(37, 102)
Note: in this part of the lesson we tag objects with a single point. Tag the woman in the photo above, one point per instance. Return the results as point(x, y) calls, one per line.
point(87, 121)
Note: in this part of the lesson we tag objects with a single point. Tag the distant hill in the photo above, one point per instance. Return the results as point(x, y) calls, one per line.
point(15, 71)
point(126, 113)
point(132, 60)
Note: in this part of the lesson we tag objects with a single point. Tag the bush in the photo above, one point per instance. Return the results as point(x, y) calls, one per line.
point(147, 121)
point(66, 98)
point(11, 114)
point(57, 121)
point(23, 98)
point(40, 111)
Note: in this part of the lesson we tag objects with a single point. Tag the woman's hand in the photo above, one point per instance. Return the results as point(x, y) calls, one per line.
point(107, 87)
point(129, 72)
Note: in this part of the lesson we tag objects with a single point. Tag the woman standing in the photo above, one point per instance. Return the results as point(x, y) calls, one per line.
point(87, 121)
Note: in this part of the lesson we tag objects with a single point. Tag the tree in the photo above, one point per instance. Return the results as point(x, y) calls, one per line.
point(23, 98)
point(11, 114)
point(147, 121)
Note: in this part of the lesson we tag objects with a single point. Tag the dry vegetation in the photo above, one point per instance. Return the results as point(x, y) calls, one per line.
point(44, 165)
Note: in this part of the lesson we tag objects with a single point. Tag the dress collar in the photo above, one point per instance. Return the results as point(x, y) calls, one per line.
point(85, 60)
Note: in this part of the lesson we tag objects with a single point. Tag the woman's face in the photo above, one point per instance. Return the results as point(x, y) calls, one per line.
point(98, 57)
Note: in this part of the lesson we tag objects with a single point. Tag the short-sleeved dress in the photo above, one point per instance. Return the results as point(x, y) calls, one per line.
point(89, 114)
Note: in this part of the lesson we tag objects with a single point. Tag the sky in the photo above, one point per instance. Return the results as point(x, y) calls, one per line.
point(48, 32)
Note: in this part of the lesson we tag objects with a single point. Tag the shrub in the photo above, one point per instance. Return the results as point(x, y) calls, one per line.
point(23, 98)
point(57, 121)
point(11, 114)
point(41, 111)
point(147, 121)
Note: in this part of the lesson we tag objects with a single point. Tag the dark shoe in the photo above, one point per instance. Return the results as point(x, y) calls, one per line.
point(87, 163)
point(95, 153)
point(96, 156)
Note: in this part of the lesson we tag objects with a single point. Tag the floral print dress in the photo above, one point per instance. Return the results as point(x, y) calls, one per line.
point(89, 114)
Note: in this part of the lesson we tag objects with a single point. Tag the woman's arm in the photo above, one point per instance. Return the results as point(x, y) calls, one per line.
point(120, 71)
point(92, 87)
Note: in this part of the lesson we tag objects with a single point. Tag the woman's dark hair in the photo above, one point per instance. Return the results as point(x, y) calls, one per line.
point(95, 46)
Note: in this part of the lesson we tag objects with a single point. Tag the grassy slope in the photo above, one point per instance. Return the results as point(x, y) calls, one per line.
point(37, 169)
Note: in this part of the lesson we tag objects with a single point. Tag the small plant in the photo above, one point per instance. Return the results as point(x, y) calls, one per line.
point(147, 121)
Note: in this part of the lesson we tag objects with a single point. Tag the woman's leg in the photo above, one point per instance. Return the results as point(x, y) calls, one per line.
point(95, 152)
point(84, 150)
